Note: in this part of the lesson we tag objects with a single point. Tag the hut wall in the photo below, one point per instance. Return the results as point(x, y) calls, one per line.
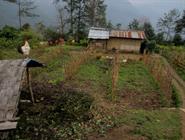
point(127, 45)
point(98, 44)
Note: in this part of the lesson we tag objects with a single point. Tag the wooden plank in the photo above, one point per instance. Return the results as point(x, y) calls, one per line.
point(8, 126)
point(11, 72)
point(10, 120)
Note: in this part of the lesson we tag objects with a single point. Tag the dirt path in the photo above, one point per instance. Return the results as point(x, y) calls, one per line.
point(180, 86)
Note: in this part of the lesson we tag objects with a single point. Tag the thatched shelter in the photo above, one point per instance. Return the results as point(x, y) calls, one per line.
point(11, 76)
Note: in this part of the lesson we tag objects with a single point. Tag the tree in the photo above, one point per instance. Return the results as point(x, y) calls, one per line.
point(118, 26)
point(83, 14)
point(180, 27)
point(177, 40)
point(62, 17)
point(110, 25)
point(134, 25)
point(80, 14)
point(95, 12)
point(25, 8)
point(167, 23)
point(160, 38)
point(149, 31)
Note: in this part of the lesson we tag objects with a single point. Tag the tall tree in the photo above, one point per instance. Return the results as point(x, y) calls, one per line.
point(110, 25)
point(167, 23)
point(149, 31)
point(180, 27)
point(95, 12)
point(134, 25)
point(70, 7)
point(80, 14)
point(62, 17)
point(118, 26)
point(25, 9)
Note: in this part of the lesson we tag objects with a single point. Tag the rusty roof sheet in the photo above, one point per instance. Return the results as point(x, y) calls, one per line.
point(128, 34)
point(98, 33)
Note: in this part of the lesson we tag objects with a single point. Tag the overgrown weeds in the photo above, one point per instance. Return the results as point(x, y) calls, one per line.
point(161, 73)
point(73, 66)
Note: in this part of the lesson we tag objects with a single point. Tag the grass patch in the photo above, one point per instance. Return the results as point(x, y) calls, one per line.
point(97, 72)
point(155, 125)
point(135, 76)
point(9, 54)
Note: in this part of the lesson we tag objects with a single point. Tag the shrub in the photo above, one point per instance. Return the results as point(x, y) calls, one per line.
point(55, 117)
point(83, 42)
point(50, 34)
point(177, 40)
point(9, 32)
point(151, 46)
point(9, 43)
point(11, 37)
point(74, 106)
point(32, 36)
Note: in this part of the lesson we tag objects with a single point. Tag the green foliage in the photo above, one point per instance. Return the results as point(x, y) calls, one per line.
point(160, 38)
point(149, 31)
point(9, 32)
point(9, 43)
point(177, 40)
point(83, 42)
point(176, 98)
point(51, 34)
point(134, 25)
point(32, 36)
point(11, 37)
point(155, 125)
point(151, 45)
point(74, 107)
point(26, 26)
point(180, 23)
point(167, 23)
point(173, 53)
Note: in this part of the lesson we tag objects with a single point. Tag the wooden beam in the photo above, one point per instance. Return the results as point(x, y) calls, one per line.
point(8, 126)
point(29, 85)
point(9, 120)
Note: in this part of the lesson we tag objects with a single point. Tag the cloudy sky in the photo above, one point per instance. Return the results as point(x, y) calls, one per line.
point(118, 11)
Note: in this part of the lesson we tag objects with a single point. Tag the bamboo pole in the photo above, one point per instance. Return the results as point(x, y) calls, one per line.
point(29, 85)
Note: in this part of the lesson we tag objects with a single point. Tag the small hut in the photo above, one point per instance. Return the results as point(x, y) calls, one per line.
point(126, 41)
point(98, 37)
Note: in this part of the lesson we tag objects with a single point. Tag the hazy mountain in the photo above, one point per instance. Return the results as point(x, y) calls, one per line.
point(118, 11)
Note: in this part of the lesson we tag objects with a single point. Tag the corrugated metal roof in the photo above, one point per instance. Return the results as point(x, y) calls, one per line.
point(98, 33)
point(128, 34)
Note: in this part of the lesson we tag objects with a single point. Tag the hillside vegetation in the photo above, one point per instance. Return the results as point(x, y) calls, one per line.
point(81, 107)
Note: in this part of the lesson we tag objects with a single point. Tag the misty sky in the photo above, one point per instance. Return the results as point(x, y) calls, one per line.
point(118, 11)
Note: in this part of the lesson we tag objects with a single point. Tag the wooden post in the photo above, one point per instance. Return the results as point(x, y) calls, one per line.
point(29, 85)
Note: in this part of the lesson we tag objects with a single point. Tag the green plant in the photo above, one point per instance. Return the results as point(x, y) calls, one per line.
point(9, 32)
point(83, 42)
point(176, 98)
point(151, 46)
point(154, 125)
